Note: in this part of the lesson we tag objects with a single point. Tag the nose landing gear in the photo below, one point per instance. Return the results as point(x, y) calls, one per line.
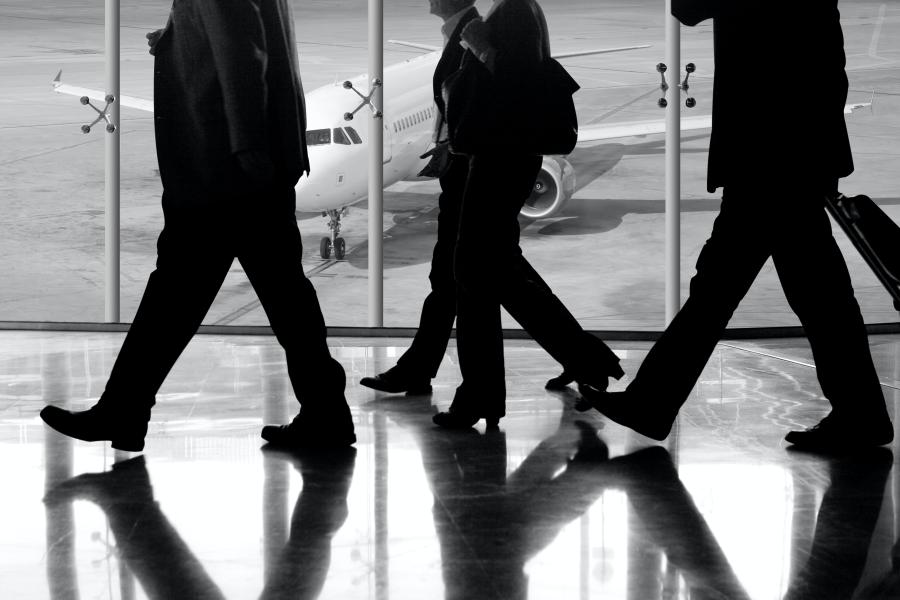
point(333, 243)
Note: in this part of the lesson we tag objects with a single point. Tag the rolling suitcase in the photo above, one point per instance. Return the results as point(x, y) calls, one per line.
point(874, 234)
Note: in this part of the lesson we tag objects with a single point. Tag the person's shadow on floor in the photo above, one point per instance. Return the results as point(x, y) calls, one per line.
point(164, 565)
point(490, 523)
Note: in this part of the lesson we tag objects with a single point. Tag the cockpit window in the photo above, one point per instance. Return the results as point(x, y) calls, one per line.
point(340, 137)
point(353, 135)
point(318, 137)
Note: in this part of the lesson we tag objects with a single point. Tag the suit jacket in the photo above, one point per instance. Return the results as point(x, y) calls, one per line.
point(448, 64)
point(226, 80)
point(779, 91)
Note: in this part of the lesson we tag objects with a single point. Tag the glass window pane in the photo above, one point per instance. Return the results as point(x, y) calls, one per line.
point(872, 44)
point(51, 174)
point(593, 226)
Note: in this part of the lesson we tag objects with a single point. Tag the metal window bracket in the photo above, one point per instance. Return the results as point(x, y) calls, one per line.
point(366, 100)
point(661, 68)
point(102, 115)
point(688, 69)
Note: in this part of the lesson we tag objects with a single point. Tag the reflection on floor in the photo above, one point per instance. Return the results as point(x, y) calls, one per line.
point(557, 504)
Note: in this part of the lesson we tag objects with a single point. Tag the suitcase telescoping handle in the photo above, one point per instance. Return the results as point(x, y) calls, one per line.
point(865, 228)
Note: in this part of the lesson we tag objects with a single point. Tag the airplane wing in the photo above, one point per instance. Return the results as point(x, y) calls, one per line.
point(427, 47)
point(609, 131)
point(128, 101)
point(598, 51)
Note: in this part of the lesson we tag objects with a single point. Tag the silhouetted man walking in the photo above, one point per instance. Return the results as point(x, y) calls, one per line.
point(230, 137)
point(776, 169)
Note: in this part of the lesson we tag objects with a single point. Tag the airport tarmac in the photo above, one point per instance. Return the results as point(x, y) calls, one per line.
point(603, 255)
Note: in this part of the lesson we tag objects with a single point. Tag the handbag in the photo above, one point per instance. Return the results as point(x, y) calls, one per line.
point(481, 118)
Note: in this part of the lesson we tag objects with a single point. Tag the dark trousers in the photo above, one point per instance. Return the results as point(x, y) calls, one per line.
point(194, 253)
point(424, 356)
point(792, 227)
point(491, 272)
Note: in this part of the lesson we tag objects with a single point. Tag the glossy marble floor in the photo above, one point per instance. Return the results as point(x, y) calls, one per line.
point(556, 505)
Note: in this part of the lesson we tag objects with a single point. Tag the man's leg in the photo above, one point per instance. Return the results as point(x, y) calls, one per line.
point(422, 359)
point(817, 285)
point(486, 246)
point(271, 254)
point(728, 264)
point(439, 309)
point(193, 258)
point(192, 262)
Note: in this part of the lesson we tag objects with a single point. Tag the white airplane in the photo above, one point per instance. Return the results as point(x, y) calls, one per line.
point(338, 150)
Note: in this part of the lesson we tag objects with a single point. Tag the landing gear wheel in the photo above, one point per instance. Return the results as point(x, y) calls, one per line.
point(325, 248)
point(340, 248)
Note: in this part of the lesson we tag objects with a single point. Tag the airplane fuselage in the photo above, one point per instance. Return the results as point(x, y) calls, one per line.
point(338, 149)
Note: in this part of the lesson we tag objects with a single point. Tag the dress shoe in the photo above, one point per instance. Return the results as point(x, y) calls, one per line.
point(395, 381)
point(126, 431)
point(308, 431)
point(560, 382)
point(835, 433)
point(629, 409)
point(598, 379)
point(454, 419)
point(595, 365)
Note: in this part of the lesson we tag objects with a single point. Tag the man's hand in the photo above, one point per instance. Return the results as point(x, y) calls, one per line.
point(476, 38)
point(439, 163)
point(256, 165)
point(153, 39)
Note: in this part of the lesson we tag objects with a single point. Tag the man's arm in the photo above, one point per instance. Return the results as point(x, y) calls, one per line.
point(238, 43)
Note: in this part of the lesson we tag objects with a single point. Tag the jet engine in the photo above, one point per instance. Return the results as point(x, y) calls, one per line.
point(554, 186)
